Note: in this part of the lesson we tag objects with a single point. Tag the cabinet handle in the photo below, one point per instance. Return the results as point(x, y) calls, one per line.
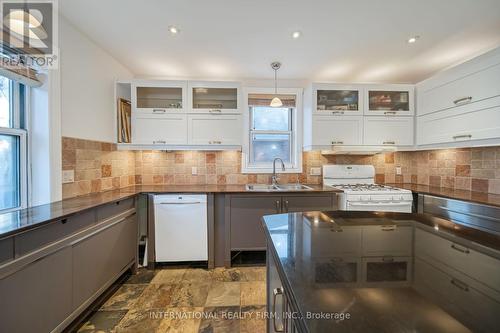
point(286, 206)
point(337, 142)
point(278, 206)
point(463, 100)
point(460, 249)
point(159, 142)
point(214, 142)
point(463, 136)
point(337, 112)
point(459, 284)
point(388, 228)
point(215, 111)
point(387, 259)
point(159, 111)
point(389, 113)
point(389, 142)
point(63, 221)
point(276, 292)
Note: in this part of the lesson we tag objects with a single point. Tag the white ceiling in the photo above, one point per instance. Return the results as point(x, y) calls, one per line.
point(343, 40)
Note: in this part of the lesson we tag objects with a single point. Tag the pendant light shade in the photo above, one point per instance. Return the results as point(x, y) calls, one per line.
point(276, 102)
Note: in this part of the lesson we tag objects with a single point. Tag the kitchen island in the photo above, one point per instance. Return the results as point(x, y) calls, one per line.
point(380, 272)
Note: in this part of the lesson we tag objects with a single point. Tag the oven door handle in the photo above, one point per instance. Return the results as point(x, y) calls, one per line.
point(350, 203)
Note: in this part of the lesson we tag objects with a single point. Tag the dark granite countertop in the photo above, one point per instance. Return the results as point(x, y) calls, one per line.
point(314, 271)
point(22, 220)
point(477, 197)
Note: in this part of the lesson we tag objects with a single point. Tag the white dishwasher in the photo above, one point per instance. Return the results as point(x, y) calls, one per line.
point(181, 227)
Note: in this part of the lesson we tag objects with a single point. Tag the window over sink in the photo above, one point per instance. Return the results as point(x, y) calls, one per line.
point(272, 132)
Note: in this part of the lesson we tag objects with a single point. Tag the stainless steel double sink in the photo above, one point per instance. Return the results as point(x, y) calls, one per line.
point(278, 188)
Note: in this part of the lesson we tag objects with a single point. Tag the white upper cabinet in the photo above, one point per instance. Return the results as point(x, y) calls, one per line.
point(328, 131)
point(214, 97)
point(393, 99)
point(214, 130)
point(337, 100)
point(159, 97)
point(164, 129)
point(390, 131)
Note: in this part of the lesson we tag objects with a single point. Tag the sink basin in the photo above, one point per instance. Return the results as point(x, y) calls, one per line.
point(294, 187)
point(277, 188)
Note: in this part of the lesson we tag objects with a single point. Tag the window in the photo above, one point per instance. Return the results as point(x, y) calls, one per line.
point(13, 152)
point(272, 131)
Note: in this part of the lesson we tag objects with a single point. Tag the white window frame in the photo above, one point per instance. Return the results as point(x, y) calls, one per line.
point(295, 166)
point(23, 146)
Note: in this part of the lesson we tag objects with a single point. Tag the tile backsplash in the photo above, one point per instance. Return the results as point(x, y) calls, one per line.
point(99, 166)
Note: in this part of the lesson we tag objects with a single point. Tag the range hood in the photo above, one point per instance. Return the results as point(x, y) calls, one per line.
point(358, 150)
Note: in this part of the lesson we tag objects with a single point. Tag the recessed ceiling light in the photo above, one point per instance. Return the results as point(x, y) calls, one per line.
point(413, 39)
point(173, 30)
point(296, 34)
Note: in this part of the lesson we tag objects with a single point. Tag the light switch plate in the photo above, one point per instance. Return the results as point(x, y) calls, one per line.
point(398, 170)
point(194, 170)
point(68, 176)
point(315, 172)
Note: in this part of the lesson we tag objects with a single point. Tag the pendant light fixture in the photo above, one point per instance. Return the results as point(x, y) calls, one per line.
point(276, 102)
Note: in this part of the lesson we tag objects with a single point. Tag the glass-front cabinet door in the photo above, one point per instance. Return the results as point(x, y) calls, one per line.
point(214, 97)
point(159, 97)
point(390, 100)
point(338, 99)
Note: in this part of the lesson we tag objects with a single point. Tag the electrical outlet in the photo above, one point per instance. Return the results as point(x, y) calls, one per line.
point(68, 176)
point(398, 170)
point(194, 171)
point(315, 172)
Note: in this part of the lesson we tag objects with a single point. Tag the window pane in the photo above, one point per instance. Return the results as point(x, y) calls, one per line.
point(5, 102)
point(270, 119)
point(9, 172)
point(266, 147)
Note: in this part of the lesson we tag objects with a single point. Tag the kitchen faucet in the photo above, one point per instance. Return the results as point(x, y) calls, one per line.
point(274, 178)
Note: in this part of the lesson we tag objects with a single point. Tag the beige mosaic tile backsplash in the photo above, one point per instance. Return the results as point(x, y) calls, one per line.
point(99, 166)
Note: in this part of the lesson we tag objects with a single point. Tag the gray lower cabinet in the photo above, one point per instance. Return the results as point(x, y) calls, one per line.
point(98, 258)
point(37, 298)
point(6, 249)
point(307, 203)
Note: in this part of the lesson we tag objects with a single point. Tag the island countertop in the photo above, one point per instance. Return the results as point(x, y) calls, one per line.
point(328, 264)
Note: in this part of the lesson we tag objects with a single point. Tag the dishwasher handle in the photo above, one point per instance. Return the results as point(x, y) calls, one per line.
point(180, 203)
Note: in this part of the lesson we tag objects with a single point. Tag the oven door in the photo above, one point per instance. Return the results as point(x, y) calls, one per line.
point(399, 207)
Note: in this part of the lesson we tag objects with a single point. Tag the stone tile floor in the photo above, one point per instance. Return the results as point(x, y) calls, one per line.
point(189, 300)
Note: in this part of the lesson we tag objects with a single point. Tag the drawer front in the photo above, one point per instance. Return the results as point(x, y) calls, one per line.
point(334, 244)
point(214, 129)
point(478, 311)
point(460, 124)
point(34, 239)
point(469, 89)
point(337, 130)
point(164, 129)
point(481, 267)
point(387, 241)
point(388, 131)
point(6, 249)
point(115, 208)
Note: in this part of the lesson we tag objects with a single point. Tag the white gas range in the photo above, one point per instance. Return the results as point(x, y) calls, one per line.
point(360, 191)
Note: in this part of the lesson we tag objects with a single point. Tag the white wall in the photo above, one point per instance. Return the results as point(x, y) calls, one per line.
point(87, 86)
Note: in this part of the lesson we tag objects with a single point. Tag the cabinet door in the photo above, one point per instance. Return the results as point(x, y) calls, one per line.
point(390, 100)
point(471, 88)
point(308, 203)
point(214, 97)
point(276, 303)
point(388, 240)
point(388, 270)
point(209, 129)
point(160, 129)
point(337, 130)
point(37, 298)
point(101, 257)
point(337, 99)
point(462, 124)
point(245, 216)
point(158, 97)
point(391, 131)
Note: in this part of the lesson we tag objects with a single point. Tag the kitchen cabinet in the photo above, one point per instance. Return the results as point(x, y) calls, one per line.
point(394, 99)
point(341, 130)
point(214, 129)
point(6, 249)
point(245, 213)
point(158, 97)
point(100, 256)
point(389, 270)
point(332, 99)
point(168, 129)
point(387, 240)
point(37, 297)
point(388, 130)
point(461, 125)
point(214, 97)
